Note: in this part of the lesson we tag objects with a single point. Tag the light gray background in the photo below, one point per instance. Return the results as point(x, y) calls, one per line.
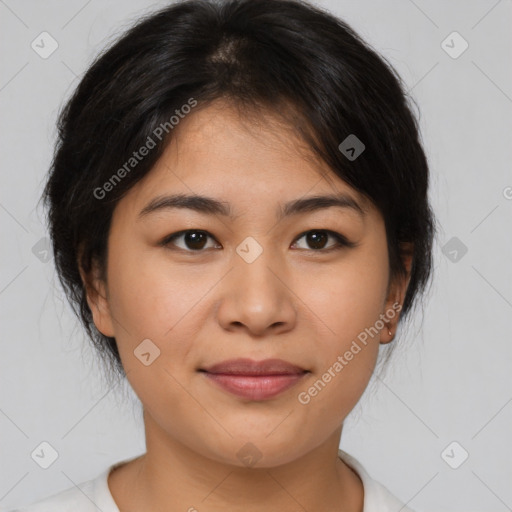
point(451, 379)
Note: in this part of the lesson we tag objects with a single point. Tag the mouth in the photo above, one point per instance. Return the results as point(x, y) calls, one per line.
point(254, 380)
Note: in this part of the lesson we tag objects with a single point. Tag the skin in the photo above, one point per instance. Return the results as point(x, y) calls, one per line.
point(293, 302)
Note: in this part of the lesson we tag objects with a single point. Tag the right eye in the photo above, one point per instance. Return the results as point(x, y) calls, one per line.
point(194, 240)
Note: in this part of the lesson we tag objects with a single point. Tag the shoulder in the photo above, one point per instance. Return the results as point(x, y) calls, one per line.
point(89, 496)
point(74, 498)
point(377, 498)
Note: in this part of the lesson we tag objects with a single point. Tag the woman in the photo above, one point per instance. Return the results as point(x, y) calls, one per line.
point(238, 206)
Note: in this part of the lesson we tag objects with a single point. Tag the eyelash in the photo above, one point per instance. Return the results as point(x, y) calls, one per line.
point(341, 241)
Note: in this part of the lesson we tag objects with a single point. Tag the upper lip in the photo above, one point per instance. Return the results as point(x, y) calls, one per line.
point(246, 366)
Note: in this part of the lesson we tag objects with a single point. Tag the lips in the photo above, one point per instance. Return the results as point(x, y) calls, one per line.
point(251, 367)
point(254, 380)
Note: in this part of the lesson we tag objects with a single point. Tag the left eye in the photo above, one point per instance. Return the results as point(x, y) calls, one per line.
point(318, 238)
point(195, 240)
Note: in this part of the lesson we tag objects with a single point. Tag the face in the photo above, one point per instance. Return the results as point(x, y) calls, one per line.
point(261, 280)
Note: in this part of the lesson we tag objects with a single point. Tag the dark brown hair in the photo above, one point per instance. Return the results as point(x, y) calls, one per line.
point(261, 54)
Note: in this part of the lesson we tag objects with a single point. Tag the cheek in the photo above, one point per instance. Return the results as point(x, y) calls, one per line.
point(329, 396)
point(347, 302)
point(347, 297)
point(152, 300)
point(149, 297)
point(346, 349)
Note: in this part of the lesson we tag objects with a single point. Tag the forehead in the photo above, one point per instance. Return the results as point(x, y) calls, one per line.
point(251, 141)
point(254, 159)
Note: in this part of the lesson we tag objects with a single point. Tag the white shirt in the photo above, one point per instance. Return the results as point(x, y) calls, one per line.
point(95, 495)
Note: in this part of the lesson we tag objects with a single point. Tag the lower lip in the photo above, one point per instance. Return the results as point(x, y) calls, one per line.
point(255, 387)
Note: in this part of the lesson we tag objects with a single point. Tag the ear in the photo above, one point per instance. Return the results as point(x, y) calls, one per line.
point(97, 299)
point(396, 295)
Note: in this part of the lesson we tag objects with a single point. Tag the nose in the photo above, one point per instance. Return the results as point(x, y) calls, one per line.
point(256, 298)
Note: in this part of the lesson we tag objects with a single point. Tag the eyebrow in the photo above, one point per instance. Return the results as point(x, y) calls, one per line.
point(211, 206)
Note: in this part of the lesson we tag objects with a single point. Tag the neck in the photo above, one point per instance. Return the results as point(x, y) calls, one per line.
point(171, 476)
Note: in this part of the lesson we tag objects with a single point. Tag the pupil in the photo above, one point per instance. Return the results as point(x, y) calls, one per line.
point(195, 240)
point(315, 237)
